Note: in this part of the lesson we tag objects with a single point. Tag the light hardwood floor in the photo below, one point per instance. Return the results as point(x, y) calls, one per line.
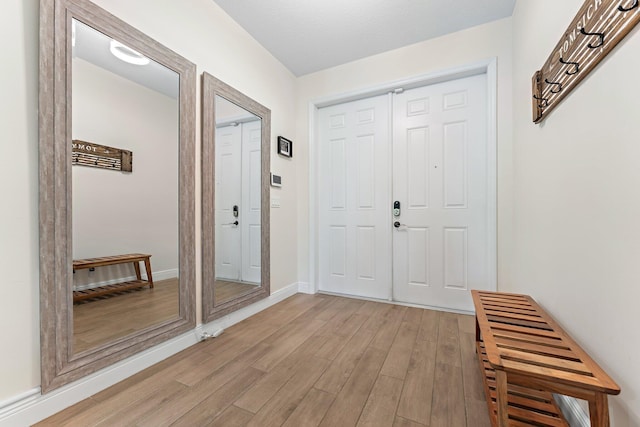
point(308, 361)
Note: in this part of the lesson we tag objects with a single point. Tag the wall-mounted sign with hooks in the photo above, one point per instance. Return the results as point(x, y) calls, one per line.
point(85, 153)
point(594, 32)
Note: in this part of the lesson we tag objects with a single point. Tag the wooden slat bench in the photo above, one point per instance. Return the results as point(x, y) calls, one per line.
point(135, 259)
point(525, 357)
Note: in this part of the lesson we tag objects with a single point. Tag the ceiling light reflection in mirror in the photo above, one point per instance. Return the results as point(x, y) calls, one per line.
point(126, 54)
point(134, 107)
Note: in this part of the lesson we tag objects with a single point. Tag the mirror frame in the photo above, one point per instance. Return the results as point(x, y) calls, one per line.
point(211, 87)
point(59, 364)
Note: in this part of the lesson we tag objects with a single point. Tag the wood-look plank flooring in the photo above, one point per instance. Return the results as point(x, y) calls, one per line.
point(311, 360)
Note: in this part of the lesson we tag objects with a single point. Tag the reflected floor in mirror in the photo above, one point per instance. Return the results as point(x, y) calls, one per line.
point(225, 290)
point(103, 319)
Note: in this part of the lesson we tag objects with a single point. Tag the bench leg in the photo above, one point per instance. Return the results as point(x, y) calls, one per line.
point(147, 266)
point(502, 400)
point(599, 411)
point(136, 267)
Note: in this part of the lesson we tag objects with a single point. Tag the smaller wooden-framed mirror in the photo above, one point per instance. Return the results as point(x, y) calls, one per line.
point(235, 199)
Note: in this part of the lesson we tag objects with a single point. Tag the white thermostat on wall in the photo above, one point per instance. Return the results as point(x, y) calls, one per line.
point(276, 180)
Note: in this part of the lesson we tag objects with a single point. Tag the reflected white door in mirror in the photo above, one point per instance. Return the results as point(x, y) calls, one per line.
point(125, 200)
point(236, 135)
point(237, 170)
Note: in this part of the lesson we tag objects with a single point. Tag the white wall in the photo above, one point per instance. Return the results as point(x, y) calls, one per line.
point(201, 32)
point(576, 229)
point(450, 51)
point(19, 296)
point(125, 212)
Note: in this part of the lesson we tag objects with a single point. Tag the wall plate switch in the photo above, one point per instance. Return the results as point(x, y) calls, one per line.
point(275, 202)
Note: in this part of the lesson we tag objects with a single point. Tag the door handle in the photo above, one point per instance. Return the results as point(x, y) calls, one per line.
point(398, 225)
point(233, 223)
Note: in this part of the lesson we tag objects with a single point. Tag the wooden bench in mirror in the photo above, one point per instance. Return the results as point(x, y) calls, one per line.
point(135, 259)
point(526, 356)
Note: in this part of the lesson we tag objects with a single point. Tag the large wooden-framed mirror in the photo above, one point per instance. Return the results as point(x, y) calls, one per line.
point(117, 233)
point(235, 199)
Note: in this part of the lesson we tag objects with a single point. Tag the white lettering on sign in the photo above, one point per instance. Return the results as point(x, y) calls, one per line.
point(571, 37)
point(83, 147)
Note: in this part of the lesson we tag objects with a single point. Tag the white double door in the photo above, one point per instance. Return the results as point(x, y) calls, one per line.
point(426, 150)
point(238, 205)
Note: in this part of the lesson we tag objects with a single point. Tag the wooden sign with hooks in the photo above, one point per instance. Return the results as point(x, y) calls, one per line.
point(85, 153)
point(594, 32)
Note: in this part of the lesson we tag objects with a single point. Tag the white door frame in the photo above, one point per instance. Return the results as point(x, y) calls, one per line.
point(487, 67)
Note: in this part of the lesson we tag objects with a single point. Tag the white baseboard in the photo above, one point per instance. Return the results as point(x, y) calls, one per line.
point(404, 304)
point(30, 407)
point(573, 412)
point(157, 276)
point(17, 403)
point(305, 288)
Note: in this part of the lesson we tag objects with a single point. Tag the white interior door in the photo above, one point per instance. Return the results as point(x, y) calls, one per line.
point(440, 179)
point(227, 195)
point(354, 188)
point(436, 165)
point(250, 216)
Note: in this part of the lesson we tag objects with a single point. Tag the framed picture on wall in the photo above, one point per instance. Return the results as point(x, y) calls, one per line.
point(285, 147)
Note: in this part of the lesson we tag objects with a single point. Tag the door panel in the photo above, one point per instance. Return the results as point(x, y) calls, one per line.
point(251, 204)
point(455, 165)
point(228, 179)
point(365, 253)
point(365, 169)
point(417, 180)
point(455, 258)
point(440, 174)
point(337, 246)
point(418, 244)
point(338, 173)
point(354, 188)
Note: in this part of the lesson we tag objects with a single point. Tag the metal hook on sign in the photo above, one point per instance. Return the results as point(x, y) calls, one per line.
point(627, 9)
point(590, 45)
point(575, 64)
point(554, 89)
point(545, 101)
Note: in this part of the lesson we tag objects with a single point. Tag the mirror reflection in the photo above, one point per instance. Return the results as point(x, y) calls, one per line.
point(125, 133)
point(237, 201)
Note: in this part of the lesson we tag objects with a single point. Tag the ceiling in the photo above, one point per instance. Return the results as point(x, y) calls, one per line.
point(312, 35)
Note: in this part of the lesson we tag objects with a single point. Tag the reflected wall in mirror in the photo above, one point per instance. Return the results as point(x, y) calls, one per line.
point(130, 102)
point(117, 272)
point(235, 192)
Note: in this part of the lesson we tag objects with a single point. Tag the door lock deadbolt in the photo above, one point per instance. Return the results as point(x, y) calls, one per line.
point(396, 208)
